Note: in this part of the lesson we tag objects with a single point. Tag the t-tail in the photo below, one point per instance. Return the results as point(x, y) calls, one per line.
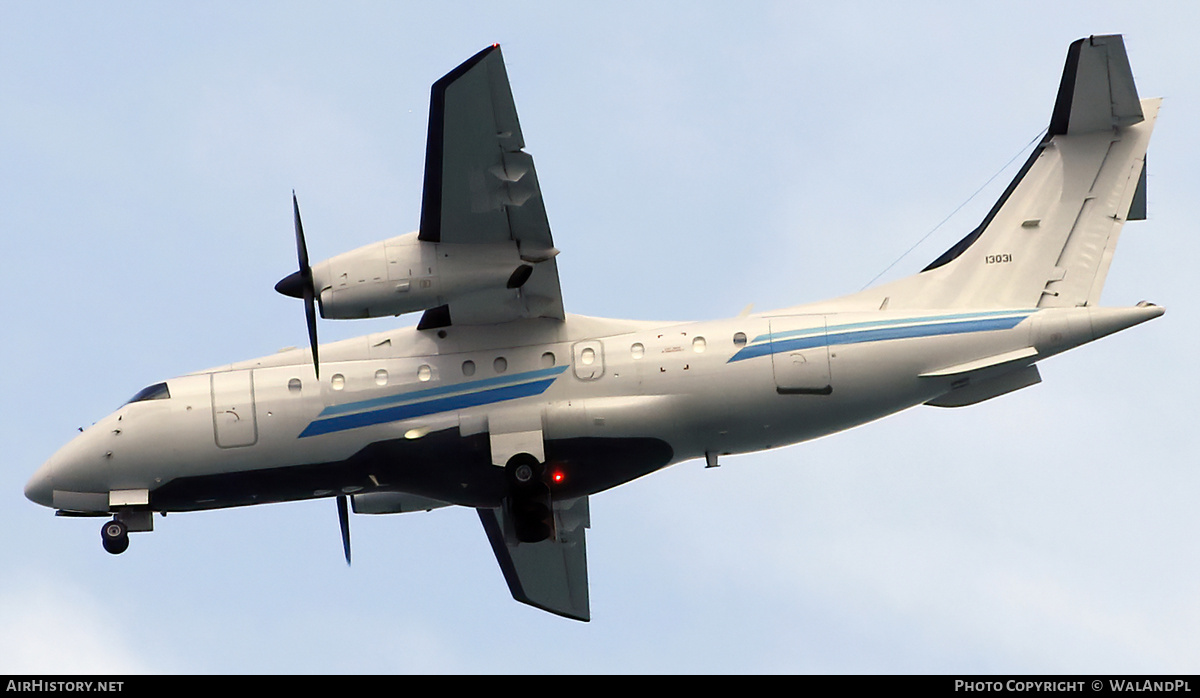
point(1049, 240)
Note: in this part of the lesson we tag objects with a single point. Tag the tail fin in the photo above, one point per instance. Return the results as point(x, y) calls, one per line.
point(1050, 238)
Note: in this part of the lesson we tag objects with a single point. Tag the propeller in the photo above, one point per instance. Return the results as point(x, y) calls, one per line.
point(299, 284)
point(344, 521)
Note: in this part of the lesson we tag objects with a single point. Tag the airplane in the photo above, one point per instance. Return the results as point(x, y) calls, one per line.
point(500, 401)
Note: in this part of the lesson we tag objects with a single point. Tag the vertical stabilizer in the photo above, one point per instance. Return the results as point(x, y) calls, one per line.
point(1049, 240)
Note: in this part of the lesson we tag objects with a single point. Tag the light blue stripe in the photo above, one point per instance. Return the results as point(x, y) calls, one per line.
point(880, 323)
point(858, 333)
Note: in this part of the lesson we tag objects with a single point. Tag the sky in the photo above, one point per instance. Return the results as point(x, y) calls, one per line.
point(694, 158)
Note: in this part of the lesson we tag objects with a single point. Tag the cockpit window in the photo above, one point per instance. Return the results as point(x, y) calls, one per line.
point(158, 391)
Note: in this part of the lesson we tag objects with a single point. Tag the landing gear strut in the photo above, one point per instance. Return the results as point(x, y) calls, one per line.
point(115, 536)
point(529, 499)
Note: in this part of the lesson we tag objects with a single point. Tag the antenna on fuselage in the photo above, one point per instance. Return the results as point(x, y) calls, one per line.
point(344, 522)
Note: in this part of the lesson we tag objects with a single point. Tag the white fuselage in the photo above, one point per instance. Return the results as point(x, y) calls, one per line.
point(411, 411)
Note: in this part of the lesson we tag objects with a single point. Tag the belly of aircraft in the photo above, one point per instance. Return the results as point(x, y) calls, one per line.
point(442, 465)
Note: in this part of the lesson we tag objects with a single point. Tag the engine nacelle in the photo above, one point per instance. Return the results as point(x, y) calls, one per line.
point(404, 274)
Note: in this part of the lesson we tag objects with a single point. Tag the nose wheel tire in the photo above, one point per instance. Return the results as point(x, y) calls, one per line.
point(115, 536)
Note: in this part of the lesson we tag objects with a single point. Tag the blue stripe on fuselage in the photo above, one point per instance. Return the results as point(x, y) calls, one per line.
point(420, 409)
point(420, 403)
point(894, 322)
point(875, 331)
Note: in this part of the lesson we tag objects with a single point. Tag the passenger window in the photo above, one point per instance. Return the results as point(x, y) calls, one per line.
point(338, 381)
point(294, 386)
point(424, 373)
point(638, 350)
point(548, 360)
point(381, 377)
point(699, 345)
point(500, 364)
point(468, 368)
point(588, 356)
point(739, 339)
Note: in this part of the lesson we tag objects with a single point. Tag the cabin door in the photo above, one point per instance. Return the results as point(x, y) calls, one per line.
point(800, 355)
point(234, 423)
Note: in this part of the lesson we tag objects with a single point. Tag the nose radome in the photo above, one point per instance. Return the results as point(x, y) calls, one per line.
point(40, 488)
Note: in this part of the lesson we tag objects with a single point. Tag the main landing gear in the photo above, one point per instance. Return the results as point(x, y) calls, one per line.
point(529, 499)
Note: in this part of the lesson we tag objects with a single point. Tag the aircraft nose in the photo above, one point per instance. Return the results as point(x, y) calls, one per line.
point(40, 488)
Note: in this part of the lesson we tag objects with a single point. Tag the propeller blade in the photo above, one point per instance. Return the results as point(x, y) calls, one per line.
point(344, 521)
point(310, 316)
point(300, 285)
point(301, 248)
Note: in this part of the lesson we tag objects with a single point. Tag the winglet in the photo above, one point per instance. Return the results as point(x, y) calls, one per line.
point(1097, 91)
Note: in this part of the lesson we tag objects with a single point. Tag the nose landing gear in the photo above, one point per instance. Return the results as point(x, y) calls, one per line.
point(115, 536)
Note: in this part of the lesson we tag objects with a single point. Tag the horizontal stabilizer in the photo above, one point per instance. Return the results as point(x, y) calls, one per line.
point(971, 392)
point(1097, 91)
point(991, 362)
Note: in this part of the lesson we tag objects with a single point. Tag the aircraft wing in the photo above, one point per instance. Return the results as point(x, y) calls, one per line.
point(481, 188)
point(550, 575)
